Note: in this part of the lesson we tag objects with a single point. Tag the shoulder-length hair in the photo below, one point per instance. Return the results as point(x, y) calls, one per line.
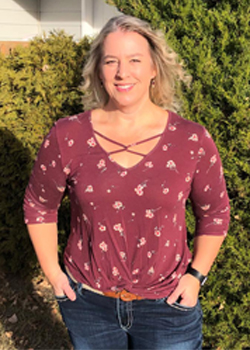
point(170, 71)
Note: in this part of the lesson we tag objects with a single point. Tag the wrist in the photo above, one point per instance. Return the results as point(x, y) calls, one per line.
point(197, 274)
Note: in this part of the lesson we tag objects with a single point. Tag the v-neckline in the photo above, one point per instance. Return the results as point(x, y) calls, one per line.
point(145, 156)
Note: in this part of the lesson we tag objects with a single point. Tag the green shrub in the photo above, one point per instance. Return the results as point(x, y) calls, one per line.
point(38, 85)
point(213, 39)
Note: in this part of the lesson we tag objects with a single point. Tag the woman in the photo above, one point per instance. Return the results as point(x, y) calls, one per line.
point(129, 164)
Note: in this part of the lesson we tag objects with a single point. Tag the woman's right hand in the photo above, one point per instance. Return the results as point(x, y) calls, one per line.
point(61, 286)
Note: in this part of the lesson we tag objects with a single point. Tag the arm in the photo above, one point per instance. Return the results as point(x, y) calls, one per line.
point(211, 209)
point(206, 249)
point(42, 198)
point(44, 239)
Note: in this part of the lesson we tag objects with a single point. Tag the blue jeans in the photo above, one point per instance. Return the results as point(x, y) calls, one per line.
point(97, 322)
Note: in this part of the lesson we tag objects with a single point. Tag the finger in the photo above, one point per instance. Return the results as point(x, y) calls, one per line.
point(69, 292)
point(174, 296)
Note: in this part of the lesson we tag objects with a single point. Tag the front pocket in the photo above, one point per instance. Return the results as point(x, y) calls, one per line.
point(183, 308)
point(61, 298)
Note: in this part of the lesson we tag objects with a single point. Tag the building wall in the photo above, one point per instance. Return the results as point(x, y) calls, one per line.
point(19, 19)
point(61, 14)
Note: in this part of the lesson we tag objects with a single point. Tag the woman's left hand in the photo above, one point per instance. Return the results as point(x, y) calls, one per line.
point(187, 291)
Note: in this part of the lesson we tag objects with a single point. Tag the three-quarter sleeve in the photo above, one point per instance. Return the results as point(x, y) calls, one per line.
point(208, 193)
point(47, 183)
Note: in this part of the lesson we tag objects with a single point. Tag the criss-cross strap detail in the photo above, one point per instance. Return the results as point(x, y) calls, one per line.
point(126, 148)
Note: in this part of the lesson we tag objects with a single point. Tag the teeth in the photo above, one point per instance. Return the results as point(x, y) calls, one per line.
point(124, 86)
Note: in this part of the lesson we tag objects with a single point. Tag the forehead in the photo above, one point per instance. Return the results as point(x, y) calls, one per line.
point(125, 42)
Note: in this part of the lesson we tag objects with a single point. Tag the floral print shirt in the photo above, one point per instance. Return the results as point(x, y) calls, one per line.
point(128, 225)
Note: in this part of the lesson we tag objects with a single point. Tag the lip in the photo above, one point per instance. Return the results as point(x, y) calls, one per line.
point(124, 87)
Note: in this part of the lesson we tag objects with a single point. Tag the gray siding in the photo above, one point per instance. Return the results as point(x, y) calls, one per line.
point(19, 20)
point(61, 14)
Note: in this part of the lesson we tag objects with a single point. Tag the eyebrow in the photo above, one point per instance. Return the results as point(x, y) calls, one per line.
point(132, 55)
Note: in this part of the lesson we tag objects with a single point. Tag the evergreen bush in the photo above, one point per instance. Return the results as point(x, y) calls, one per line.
point(38, 85)
point(213, 39)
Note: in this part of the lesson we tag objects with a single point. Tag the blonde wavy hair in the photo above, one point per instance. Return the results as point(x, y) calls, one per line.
point(170, 71)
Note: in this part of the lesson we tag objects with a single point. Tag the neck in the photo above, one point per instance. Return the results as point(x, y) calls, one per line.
point(132, 115)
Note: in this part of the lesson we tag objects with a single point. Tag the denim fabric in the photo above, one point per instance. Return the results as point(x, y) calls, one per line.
point(98, 322)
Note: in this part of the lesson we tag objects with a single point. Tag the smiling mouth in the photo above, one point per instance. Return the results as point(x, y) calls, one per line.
point(125, 87)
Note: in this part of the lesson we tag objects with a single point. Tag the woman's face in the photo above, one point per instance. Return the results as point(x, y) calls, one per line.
point(126, 70)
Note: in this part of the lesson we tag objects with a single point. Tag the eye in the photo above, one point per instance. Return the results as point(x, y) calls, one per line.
point(110, 62)
point(135, 60)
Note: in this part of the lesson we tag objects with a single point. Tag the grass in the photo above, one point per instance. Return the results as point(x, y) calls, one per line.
point(29, 316)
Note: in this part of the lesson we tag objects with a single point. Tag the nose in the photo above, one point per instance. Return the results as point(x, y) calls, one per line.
point(122, 70)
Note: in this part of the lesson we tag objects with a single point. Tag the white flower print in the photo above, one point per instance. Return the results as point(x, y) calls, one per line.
point(79, 244)
point(149, 255)
point(201, 152)
point(98, 285)
point(115, 271)
point(149, 165)
point(102, 228)
point(89, 189)
point(86, 266)
point(42, 212)
point(222, 194)
point(172, 128)
point(101, 164)
point(207, 134)
point(123, 255)
point(123, 173)
point(85, 218)
point(167, 244)
point(213, 159)
point(194, 138)
point(174, 275)
point(39, 219)
point(149, 214)
point(218, 221)
point(103, 246)
point(139, 190)
point(118, 205)
point(135, 271)
point(42, 200)
point(53, 163)
point(135, 281)
point(142, 241)
point(118, 227)
point(66, 170)
point(207, 188)
point(188, 178)
point(157, 232)
point(151, 271)
point(205, 207)
point(180, 195)
point(171, 165)
point(70, 143)
point(43, 167)
point(165, 190)
point(91, 142)
point(177, 257)
point(164, 148)
point(162, 278)
point(46, 143)
point(31, 204)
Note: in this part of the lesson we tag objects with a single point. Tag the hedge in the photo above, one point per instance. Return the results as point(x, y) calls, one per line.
point(40, 84)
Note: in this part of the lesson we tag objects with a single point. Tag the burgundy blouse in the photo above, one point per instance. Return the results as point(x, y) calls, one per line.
point(128, 225)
